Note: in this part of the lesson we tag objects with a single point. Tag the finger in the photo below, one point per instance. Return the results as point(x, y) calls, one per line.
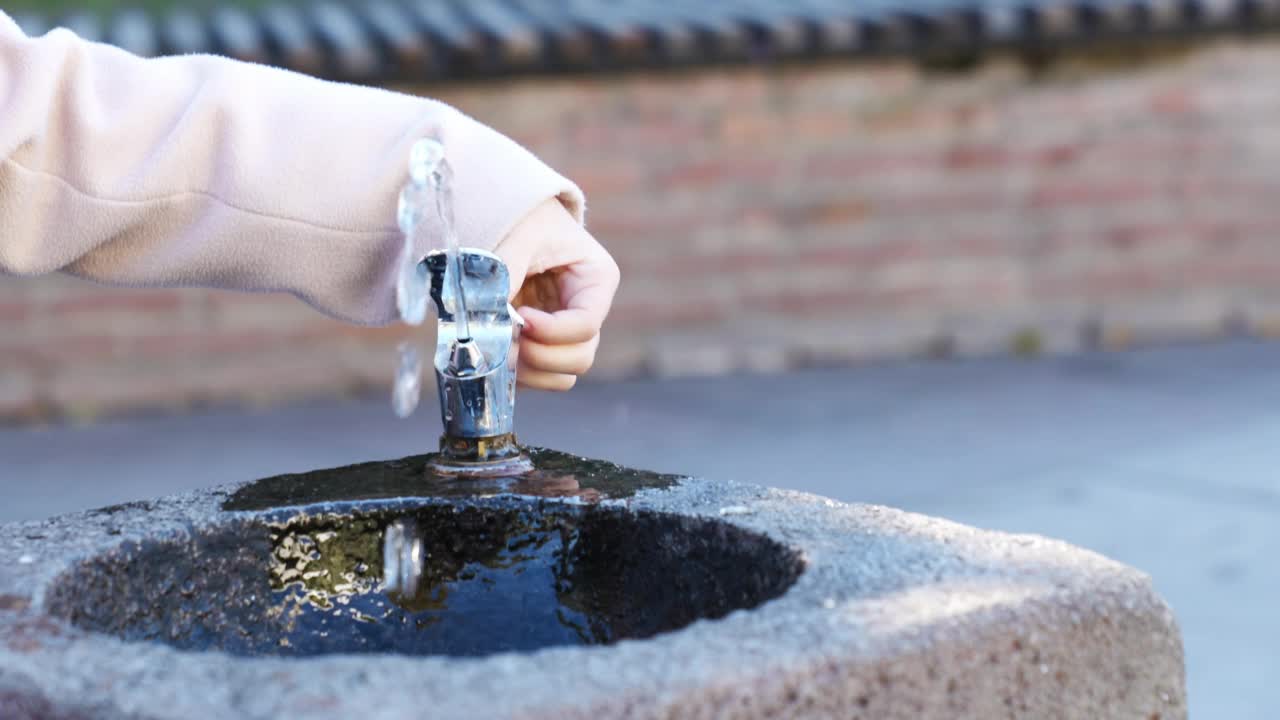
point(540, 291)
point(586, 289)
point(543, 380)
point(566, 327)
point(573, 359)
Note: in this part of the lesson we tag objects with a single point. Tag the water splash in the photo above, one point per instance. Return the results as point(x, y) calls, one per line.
point(429, 190)
point(424, 158)
point(411, 289)
point(411, 209)
point(407, 388)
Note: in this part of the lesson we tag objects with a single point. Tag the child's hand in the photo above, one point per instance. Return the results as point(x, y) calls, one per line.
point(563, 285)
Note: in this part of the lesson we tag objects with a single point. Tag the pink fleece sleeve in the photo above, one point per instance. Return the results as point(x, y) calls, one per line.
point(203, 171)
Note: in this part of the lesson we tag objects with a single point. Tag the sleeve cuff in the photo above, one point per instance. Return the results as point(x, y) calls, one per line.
point(497, 182)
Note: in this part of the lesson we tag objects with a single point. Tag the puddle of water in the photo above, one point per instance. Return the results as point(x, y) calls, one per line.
point(448, 578)
point(505, 582)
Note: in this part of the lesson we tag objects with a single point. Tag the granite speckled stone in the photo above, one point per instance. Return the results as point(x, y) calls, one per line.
point(895, 615)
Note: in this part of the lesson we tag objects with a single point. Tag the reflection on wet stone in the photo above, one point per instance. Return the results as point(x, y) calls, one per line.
point(402, 557)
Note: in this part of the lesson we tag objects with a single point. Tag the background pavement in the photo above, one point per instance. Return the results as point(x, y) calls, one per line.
point(1163, 459)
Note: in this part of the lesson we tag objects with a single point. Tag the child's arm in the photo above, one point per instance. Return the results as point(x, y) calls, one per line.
point(207, 172)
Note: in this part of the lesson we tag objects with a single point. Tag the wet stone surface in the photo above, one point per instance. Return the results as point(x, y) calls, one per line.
point(518, 576)
point(556, 474)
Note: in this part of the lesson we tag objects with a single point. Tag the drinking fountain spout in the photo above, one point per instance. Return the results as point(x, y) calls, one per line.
point(476, 375)
point(478, 331)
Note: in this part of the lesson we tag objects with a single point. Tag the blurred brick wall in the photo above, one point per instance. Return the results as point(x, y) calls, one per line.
point(773, 218)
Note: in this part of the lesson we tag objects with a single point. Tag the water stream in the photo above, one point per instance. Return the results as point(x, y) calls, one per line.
point(430, 188)
point(442, 182)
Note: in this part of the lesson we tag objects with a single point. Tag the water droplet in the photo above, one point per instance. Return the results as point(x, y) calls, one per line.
point(26, 560)
point(424, 158)
point(411, 288)
point(414, 202)
point(416, 199)
point(408, 382)
point(736, 510)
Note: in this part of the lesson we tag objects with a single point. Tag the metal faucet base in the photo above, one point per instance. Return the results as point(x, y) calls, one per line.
point(497, 456)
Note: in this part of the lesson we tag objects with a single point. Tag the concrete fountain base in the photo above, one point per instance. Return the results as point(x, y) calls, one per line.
point(629, 595)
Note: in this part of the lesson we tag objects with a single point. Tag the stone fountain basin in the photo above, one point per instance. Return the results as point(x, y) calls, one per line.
point(500, 576)
point(630, 595)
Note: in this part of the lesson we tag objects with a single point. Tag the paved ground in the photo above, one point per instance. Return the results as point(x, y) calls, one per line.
point(1168, 460)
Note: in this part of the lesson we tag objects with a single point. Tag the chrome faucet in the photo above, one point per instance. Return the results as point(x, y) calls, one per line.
point(476, 375)
point(478, 333)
